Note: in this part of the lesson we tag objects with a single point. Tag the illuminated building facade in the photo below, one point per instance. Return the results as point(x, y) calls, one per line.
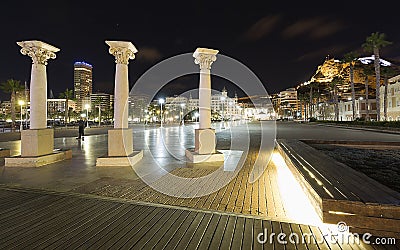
point(83, 83)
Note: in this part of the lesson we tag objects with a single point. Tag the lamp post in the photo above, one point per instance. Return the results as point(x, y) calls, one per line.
point(161, 101)
point(87, 106)
point(223, 111)
point(196, 115)
point(99, 115)
point(21, 103)
point(182, 116)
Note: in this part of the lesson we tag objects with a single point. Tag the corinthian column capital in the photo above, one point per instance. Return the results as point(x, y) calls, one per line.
point(39, 51)
point(123, 51)
point(205, 57)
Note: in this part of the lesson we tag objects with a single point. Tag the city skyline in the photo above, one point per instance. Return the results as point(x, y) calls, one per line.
point(282, 45)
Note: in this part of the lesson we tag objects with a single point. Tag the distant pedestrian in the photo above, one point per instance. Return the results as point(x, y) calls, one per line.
point(81, 124)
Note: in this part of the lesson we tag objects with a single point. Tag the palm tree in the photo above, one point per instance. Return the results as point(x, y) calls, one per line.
point(351, 58)
point(336, 81)
point(374, 43)
point(67, 95)
point(12, 86)
point(367, 71)
point(387, 72)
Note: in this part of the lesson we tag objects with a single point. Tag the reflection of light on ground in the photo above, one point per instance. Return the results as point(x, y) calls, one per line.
point(297, 205)
point(299, 209)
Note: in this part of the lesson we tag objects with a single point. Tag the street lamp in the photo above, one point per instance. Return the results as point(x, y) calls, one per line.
point(223, 111)
point(182, 116)
point(161, 101)
point(87, 106)
point(99, 115)
point(21, 103)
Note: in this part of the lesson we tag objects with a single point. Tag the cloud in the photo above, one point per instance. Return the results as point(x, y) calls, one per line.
point(314, 28)
point(262, 27)
point(322, 53)
point(148, 54)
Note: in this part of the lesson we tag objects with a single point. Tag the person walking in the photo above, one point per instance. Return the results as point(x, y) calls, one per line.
point(81, 124)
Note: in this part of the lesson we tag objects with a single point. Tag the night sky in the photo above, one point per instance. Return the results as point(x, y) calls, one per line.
point(280, 41)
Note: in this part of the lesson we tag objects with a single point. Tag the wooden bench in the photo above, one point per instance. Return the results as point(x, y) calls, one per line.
point(340, 193)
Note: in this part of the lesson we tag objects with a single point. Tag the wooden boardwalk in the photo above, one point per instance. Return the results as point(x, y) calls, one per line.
point(35, 219)
point(261, 198)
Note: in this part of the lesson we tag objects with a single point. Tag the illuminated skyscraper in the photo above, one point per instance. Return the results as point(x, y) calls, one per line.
point(82, 83)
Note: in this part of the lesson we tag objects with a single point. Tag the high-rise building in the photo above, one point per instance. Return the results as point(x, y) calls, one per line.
point(82, 83)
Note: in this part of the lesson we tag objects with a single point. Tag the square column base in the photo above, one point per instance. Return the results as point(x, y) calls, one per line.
point(4, 152)
point(120, 142)
point(37, 142)
point(38, 161)
point(195, 157)
point(121, 161)
point(204, 141)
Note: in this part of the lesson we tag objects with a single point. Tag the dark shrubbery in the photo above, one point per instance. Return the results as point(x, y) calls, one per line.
point(362, 122)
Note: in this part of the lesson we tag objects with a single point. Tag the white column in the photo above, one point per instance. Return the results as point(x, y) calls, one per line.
point(205, 57)
point(40, 52)
point(123, 51)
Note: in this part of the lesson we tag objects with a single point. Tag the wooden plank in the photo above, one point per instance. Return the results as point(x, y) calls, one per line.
point(301, 244)
point(182, 236)
point(350, 183)
point(365, 209)
point(139, 227)
point(210, 232)
point(295, 166)
point(138, 237)
point(37, 222)
point(153, 236)
point(176, 230)
point(323, 241)
point(218, 233)
point(237, 239)
point(376, 223)
point(226, 241)
point(311, 240)
point(290, 241)
point(25, 217)
point(276, 194)
point(269, 197)
point(63, 235)
point(257, 229)
point(79, 238)
point(125, 227)
point(276, 229)
point(194, 241)
point(58, 216)
point(105, 232)
point(248, 234)
point(28, 209)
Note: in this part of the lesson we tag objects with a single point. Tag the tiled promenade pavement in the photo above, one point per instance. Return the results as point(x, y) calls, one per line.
point(112, 207)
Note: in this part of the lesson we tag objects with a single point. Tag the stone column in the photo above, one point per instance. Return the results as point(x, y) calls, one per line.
point(205, 135)
point(38, 140)
point(120, 139)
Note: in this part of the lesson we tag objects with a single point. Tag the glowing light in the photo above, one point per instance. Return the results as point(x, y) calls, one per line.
point(296, 203)
point(161, 101)
point(370, 59)
point(83, 63)
point(340, 213)
point(21, 102)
